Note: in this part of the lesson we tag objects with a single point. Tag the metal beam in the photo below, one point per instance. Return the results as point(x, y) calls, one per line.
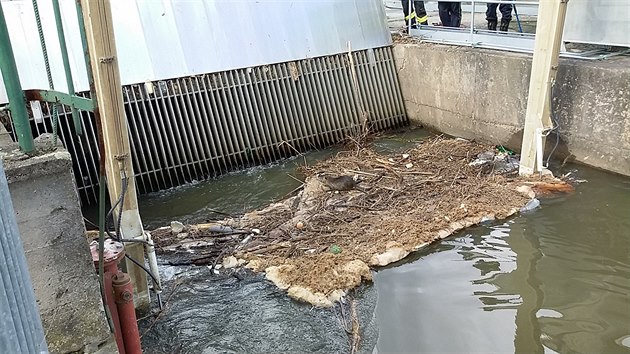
point(84, 104)
point(66, 64)
point(17, 102)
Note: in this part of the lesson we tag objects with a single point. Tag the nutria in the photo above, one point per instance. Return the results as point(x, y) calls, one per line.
point(341, 183)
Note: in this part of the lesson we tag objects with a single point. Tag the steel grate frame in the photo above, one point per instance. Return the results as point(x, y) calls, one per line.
point(198, 127)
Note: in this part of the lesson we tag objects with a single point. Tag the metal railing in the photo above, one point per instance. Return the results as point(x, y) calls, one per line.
point(474, 36)
point(18, 98)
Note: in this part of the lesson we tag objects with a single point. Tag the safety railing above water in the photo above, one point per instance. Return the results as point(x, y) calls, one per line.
point(600, 45)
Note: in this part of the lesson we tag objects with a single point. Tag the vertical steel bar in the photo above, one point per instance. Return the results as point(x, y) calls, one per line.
point(74, 147)
point(472, 22)
point(354, 89)
point(199, 120)
point(281, 100)
point(137, 149)
point(145, 144)
point(170, 132)
point(193, 116)
point(261, 106)
point(228, 120)
point(345, 88)
point(184, 123)
point(155, 138)
point(183, 157)
point(395, 84)
point(319, 102)
point(304, 109)
point(248, 139)
point(17, 101)
point(66, 63)
point(381, 94)
point(386, 85)
point(320, 132)
point(365, 81)
point(333, 98)
point(92, 154)
point(223, 129)
point(252, 117)
point(274, 114)
point(165, 148)
point(211, 115)
point(296, 108)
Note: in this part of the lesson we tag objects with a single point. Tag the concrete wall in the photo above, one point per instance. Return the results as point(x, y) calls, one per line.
point(482, 94)
point(51, 227)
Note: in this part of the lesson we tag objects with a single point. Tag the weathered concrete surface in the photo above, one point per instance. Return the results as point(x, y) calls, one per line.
point(51, 227)
point(482, 94)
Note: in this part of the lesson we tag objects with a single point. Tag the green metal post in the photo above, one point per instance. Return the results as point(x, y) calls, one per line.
point(17, 102)
point(66, 63)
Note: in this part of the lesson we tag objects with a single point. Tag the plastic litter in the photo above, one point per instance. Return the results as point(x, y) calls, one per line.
point(531, 205)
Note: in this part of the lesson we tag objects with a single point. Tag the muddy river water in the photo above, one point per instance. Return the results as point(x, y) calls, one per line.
point(554, 280)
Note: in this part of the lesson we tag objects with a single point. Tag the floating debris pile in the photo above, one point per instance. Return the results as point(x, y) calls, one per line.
point(361, 209)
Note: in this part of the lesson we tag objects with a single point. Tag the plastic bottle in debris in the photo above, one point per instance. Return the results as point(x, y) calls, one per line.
point(531, 205)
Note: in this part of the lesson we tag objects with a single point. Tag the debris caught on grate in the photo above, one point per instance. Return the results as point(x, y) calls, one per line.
point(361, 209)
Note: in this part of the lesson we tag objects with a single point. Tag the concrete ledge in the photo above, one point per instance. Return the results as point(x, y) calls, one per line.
point(51, 227)
point(482, 94)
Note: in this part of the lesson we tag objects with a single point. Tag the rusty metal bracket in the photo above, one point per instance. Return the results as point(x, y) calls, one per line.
point(81, 103)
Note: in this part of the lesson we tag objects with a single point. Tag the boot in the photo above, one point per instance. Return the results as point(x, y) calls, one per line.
point(505, 24)
point(492, 25)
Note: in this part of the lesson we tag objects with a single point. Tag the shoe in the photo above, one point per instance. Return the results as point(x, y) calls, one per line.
point(492, 25)
point(505, 24)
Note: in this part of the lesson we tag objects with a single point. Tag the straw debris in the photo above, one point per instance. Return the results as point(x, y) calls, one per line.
point(361, 209)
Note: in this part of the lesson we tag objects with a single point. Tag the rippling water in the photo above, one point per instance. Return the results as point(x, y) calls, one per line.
point(555, 280)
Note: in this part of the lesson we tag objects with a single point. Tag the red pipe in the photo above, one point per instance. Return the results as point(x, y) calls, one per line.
point(123, 293)
point(113, 253)
point(113, 310)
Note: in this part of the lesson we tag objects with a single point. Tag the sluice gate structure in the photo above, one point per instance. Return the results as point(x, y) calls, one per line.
point(207, 92)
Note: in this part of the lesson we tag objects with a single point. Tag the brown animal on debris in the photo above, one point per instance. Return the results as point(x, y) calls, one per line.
point(341, 183)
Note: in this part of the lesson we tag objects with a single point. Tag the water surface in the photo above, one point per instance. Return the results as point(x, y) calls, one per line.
point(555, 280)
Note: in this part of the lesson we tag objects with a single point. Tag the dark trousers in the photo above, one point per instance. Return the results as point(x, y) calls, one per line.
point(450, 13)
point(506, 12)
point(418, 12)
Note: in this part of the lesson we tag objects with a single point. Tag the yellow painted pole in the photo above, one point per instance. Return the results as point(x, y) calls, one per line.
point(549, 27)
point(97, 18)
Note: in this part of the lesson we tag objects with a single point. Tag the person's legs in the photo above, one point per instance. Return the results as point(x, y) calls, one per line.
point(408, 17)
point(491, 16)
point(506, 16)
point(421, 13)
point(444, 10)
point(456, 14)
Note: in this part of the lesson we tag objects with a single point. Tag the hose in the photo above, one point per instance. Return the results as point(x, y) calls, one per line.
point(101, 247)
point(157, 288)
point(556, 125)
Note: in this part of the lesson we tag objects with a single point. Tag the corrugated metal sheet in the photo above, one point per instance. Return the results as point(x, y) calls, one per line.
point(165, 39)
